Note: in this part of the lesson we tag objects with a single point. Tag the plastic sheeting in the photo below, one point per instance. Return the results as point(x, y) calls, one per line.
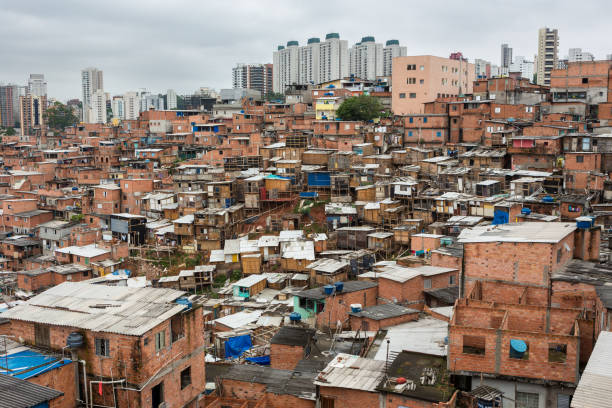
point(500, 217)
point(28, 363)
point(235, 346)
point(261, 360)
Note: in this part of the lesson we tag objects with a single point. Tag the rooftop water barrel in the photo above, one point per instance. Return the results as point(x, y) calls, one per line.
point(74, 340)
point(547, 199)
point(184, 301)
point(329, 289)
point(339, 286)
point(525, 211)
point(517, 348)
point(584, 222)
point(356, 307)
point(295, 317)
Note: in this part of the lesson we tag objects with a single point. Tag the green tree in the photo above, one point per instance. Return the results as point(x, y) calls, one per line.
point(60, 116)
point(362, 107)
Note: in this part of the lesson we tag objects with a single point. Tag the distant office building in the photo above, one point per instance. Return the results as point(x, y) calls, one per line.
point(33, 109)
point(392, 50)
point(9, 104)
point(526, 68)
point(171, 99)
point(506, 56)
point(609, 57)
point(294, 65)
point(577, 55)
point(91, 81)
point(420, 79)
point(149, 101)
point(548, 43)
point(366, 59)
point(236, 95)
point(253, 76)
point(37, 85)
point(482, 68)
point(118, 107)
point(131, 105)
point(97, 110)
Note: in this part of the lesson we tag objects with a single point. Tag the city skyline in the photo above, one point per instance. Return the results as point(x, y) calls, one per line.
point(129, 65)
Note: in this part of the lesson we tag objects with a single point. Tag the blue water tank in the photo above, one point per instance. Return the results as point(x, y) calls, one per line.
point(547, 199)
point(517, 348)
point(339, 286)
point(74, 340)
point(184, 301)
point(525, 211)
point(295, 317)
point(584, 222)
point(356, 308)
point(328, 289)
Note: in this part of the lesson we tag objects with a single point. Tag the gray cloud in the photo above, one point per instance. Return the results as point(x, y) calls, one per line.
point(184, 44)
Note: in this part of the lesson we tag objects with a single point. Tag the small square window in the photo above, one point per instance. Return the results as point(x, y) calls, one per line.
point(412, 96)
point(402, 95)
point(579, 159)
point(102, 347)
point(427, 283)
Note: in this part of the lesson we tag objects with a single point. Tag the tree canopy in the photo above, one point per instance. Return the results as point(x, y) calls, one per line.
point(60, 116)
point(362, 107)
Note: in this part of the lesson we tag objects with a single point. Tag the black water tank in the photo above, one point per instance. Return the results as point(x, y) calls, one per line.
point(74, 340)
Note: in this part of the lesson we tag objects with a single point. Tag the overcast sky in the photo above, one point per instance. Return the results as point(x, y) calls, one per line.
point(183, 45)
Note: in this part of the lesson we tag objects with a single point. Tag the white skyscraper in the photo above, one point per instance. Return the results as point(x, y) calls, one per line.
point(506, 56)
point(286, 66)
point(171, 99)
point(118, 107)
point(366, 59)
point(577, 55)
point(97, 109)
point(526, 68)
point(483, 68)
point(37, 86)
point(313, 63)
point(334, 60)
point(131, 105)
point(309, 55)
point(392, 50)
point(91, 81)
point(548, 43)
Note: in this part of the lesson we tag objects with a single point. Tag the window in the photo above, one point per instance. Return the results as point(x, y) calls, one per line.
point(451, 280)
point(411, 81)
point(438, 134)
point(102, 347)
point(497, 109)
point(411, 67)
point(425, 120)
point(412, 95)
point(579, 159)
point(585, 80)
point(421, 81)
point(422, 67)
point(160, 340)
point(185, 378)
point(176, 327)
point(402, 95)
point(527, 400)
point(474, 345)
point(557, 353)
point(410, 133)
point(410, 120)
point(427, 283)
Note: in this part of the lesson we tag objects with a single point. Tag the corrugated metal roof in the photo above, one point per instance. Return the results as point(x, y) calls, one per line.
point(16, 393)
point(115, 309)
point(348, 371)
point(595, 387)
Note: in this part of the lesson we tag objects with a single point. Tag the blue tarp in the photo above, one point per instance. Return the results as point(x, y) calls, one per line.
point(321, 179)
point(235, 346)
point(28, 363)
point(263, 360)
point(309, 194)
point(500, 217)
